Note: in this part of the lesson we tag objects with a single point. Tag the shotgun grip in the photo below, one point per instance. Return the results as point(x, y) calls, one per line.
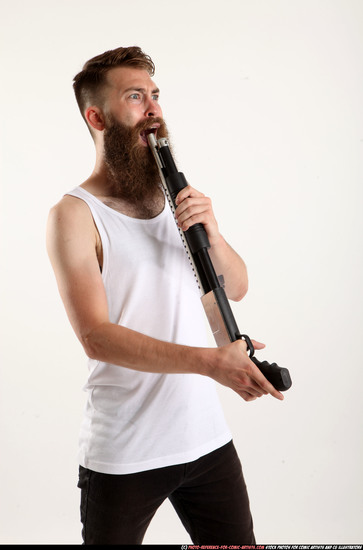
point(278, 376)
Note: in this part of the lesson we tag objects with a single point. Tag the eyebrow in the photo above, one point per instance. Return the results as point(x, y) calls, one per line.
point(135, 89)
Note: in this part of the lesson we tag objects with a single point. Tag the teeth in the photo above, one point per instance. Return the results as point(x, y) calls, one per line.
point(147, 131)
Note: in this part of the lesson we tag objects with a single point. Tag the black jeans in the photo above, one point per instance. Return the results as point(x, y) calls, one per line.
point(209, 496)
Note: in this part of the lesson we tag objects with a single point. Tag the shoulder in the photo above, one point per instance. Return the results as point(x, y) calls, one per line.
point(69, 206)
point(69, 213)
point(70, 221)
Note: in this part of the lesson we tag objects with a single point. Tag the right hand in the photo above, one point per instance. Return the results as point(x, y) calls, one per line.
point(236, 370)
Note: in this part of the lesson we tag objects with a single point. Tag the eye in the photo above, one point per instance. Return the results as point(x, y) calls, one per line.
point(155, 97)
point(135, 96)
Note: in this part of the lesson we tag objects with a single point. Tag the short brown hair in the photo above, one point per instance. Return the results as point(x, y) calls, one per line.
point(89, 83)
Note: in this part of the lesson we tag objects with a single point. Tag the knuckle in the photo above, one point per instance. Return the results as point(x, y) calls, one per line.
point(244, 380)
point(242, 344)
point(250, 397)
point(248, 368)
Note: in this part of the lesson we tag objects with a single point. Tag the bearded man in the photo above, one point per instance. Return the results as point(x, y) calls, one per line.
point(153, 427)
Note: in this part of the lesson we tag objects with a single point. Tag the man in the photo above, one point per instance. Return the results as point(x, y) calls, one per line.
point(153, 428)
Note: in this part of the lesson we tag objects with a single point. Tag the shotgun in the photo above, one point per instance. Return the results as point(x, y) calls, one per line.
point(196, 244)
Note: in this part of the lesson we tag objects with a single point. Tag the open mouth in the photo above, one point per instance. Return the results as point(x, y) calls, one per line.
point(152, 130)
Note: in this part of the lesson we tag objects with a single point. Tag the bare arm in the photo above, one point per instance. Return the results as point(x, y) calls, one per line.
point(194, 207)
point(71, 243)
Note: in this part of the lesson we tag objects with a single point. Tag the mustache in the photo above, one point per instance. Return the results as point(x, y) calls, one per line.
point(144, 126)
point(148, 124)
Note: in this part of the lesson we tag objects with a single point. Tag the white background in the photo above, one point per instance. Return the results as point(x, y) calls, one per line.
point(264, 102)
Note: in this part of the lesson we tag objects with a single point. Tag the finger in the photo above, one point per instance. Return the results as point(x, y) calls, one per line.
point(186, 192)
point(242, 344)
point(190, 204)
point(187, 219)
point(254, 388)
point(263, 383)
point(257, 345)
point(256, 393)
point(246, 396)
point(195, 215)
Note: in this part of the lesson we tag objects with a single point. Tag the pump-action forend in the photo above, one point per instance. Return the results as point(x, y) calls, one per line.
point(196, 243)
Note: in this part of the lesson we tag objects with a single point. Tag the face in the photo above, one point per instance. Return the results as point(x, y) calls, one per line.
point(132, 97)
point(131, 109)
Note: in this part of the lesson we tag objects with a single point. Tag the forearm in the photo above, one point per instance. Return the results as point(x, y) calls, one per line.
point(228, 263)
point(228, 365)
point(124, 347)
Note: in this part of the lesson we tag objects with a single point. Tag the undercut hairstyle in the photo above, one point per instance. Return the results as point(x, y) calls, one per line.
point(89, 84)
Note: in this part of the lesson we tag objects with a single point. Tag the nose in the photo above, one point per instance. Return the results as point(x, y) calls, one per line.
point(152, 109)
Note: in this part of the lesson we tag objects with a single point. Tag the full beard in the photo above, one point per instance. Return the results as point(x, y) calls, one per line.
point(132, 170)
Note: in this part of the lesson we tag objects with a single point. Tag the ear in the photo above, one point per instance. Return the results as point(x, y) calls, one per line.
point(95, 117)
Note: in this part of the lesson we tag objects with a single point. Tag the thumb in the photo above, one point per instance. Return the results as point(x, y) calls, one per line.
point(257, 345)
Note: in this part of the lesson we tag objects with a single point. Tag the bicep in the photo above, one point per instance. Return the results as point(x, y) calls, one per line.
point(71, 247)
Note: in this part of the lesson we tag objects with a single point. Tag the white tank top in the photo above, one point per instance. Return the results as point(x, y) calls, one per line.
point(136, 421)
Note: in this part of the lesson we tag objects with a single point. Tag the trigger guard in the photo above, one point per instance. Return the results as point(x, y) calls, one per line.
point(247, 339)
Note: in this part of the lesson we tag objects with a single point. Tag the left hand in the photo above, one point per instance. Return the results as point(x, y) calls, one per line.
point(194, 207)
